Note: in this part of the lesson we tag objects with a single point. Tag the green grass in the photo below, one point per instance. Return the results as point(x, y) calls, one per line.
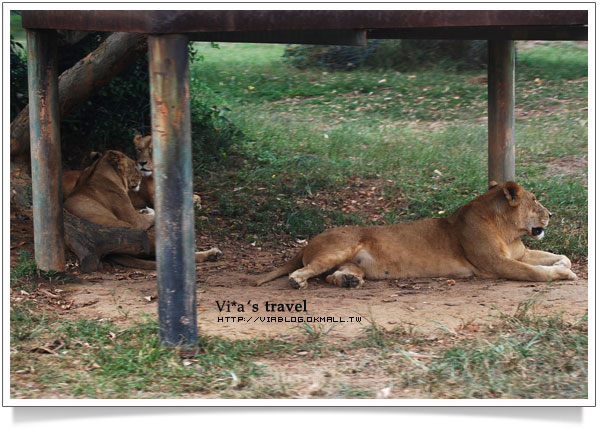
point(101, 360)
point(524, 355)
point(519, 355)
point(554, 61)
point(25, 273)
point(308, 131)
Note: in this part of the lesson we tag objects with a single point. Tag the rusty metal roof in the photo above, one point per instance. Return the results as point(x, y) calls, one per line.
point(222, 25)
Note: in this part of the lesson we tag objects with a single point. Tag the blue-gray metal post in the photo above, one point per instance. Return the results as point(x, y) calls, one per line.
point(46, 171)
point(172, 151)
point(501, 111)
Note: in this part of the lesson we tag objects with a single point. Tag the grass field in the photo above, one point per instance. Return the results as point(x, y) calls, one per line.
point(414, 145)
point(421, 135)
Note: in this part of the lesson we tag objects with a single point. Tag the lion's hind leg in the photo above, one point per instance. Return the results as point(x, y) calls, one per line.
point(325, 259)
point(348, 275)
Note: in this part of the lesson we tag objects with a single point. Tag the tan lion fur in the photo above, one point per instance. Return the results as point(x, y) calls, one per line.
point(482, 238)
point(69, 177)
point(100, 194)
point(143, 157)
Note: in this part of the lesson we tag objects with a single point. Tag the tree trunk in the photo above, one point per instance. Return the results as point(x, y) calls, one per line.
point(91, 242)
point(77, 84)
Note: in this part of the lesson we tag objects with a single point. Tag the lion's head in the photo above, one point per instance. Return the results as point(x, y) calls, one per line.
point(143, 154)
point(525, 211)
point(126, 169)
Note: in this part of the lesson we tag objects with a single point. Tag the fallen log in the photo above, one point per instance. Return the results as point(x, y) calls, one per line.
point(92, 242)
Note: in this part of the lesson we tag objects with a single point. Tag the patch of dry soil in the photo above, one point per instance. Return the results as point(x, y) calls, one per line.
point(426, 305)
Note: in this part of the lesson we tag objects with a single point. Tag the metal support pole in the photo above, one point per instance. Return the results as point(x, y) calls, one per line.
point(46, 170)
point(501, 111)
point(172, 151)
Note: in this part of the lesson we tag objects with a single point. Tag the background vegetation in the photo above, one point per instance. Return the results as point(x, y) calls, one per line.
point(419, 137)
point(117, 112)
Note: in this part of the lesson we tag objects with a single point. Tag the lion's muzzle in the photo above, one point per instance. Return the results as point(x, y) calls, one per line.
point(142, 166)
point(537, 232)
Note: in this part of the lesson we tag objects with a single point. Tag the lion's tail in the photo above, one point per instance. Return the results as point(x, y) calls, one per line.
point(294, 264)
point(129, 261)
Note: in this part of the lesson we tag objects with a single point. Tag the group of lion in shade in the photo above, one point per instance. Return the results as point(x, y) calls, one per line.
point(116, 191)
point(481, 238)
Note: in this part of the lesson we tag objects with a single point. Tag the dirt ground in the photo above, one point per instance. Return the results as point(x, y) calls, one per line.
point(466, 306)
point(124, 296)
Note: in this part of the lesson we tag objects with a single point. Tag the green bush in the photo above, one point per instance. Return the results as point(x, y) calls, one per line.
point(328, 57)
point(120, 109)
point(401, 55)
point(213, 134)
point(18, 78)
point(406, 55)
point(111, 117)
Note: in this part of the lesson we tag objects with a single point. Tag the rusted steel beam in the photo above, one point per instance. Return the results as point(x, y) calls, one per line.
point(538, 32)
point(181, 21)
point(501, 111)
point(171, 137)
point(46, 171)
point(310, 37)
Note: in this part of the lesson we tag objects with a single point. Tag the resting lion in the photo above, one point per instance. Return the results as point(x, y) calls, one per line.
point(101, 195)
point(143, 157)
point(481, 238)
point(69, 177)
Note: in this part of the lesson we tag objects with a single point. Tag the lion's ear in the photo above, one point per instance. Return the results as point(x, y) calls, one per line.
point(492, 184)
point(513, 193)
point(137, 139)
point(113, 158)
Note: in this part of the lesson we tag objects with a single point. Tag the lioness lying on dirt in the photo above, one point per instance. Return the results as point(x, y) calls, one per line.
point(481, 238)
point(101, 195)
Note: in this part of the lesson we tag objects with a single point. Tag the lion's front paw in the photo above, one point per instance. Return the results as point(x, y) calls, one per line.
point(298, 284)
point(147, 211)
point(565, 273)
point(351, 281)
point(213, 254)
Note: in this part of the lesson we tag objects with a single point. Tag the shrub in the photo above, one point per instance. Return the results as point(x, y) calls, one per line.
point(328, 57)
point(18, 78)
point(401, 55)
point(119, 110)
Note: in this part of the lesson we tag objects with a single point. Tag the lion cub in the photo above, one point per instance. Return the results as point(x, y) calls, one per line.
point(482, 238)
